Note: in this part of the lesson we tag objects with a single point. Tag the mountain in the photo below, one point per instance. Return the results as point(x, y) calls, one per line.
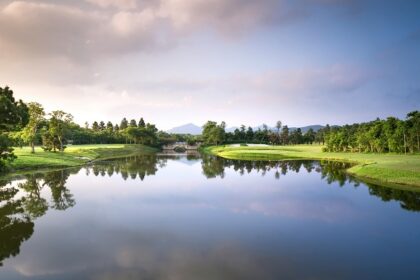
point(188, 128)
point(304, 129)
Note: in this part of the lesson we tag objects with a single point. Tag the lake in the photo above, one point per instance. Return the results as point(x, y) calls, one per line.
point(203, 217)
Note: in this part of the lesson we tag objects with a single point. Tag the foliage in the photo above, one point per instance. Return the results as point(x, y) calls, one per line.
point(13, 116)
point(378, 136)
point(214, 134)
point(36, 116)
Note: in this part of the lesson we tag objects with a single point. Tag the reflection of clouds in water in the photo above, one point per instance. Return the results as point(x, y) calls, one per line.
point(288, 197)
point(328, 210)
point(148, 256)
point(173, 226)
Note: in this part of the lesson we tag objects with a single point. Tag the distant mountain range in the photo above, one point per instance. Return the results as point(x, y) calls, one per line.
point(188, 128)
point(193, 129)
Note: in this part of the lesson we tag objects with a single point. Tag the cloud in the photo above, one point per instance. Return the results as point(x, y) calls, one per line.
point(37, 28)
point(120, 4)
point(337, 78)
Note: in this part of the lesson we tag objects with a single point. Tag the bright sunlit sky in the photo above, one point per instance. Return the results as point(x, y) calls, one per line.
point(242, 61)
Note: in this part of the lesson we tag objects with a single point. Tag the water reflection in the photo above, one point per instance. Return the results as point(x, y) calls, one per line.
point(330, 171)
point(132, 167)
point(23, 203)
point(16, 225)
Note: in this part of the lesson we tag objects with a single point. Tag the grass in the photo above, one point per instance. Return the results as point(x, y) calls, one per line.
point(77, 155)
point(385, 169)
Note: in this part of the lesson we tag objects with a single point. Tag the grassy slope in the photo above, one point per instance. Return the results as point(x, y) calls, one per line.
point(381, 168)
point(72, 156)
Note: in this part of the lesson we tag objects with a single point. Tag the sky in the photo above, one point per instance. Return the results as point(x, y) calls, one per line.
point(250, 62)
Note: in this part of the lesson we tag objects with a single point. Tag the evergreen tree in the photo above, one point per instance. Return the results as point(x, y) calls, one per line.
point(133, 123)
point(109, 127)
point(102, 125)
point(95, 126)
point(123, 124)
point(142, 123)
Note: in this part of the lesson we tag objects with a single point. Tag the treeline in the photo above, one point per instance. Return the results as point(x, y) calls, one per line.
point(378, 136)
point(55, 130)
point(29, 124)
point(215, 134)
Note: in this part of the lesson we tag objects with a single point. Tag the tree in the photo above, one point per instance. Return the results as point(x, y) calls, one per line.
point(109, 127)
point(58, 125)
point(285, 135)
point(95, 126)
point(413, 120)
point(36, 116)
point(249, 134)
point(310, 136)
point(142, 123)
point(102, 125)
point(133, 123)
point(123, 124)
point(278, 126)
point(13, 116)
point(214, 134)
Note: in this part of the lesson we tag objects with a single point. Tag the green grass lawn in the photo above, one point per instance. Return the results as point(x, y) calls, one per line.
point(72, 156)
point(389, 169)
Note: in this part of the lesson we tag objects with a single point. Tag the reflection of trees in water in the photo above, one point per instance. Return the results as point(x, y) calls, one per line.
point(15, 225)
point(20, 205)
point(408, 200)
point(331, 171)
point(132, 167)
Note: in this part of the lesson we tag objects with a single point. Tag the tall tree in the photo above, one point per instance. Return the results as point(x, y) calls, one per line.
point(101, 125)
point(413, 119)
point(285, 135)
point(95, 126)
point(123, 124)
point(213, 133)
point(13, 116)
point(142, 124)
point(59, 123)
point(36, 116)
point(133, 123)
point(278, 127)
point(109, 127)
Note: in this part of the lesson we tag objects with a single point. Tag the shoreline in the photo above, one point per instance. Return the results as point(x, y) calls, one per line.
point(73, 156)
point(389, 170)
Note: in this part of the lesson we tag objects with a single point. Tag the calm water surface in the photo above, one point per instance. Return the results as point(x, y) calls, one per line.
point(178, 217)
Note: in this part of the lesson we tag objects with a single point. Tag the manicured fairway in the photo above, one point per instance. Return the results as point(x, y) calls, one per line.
point(381, 168)
point(72, 156)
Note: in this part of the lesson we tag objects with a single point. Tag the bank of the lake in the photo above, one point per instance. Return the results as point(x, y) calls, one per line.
point(385, 169)
point(74, 155)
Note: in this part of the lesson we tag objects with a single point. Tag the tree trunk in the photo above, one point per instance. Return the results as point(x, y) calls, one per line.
point(32, 147)
point(61, 144)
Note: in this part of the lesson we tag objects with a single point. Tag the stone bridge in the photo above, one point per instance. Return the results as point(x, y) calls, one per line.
point(181, 144)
